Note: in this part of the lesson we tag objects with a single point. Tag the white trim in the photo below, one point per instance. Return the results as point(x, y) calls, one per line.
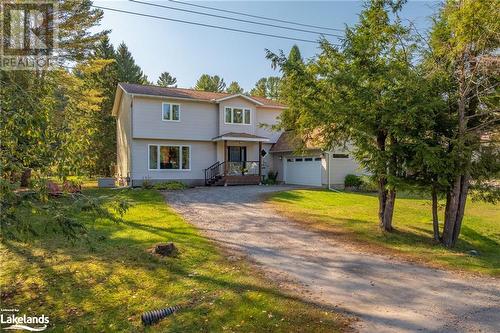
point(158, 157)
point(171, 112)
point(239, 95)
point(244, 109)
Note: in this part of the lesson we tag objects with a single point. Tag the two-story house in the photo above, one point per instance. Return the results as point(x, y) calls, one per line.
point(200, 137)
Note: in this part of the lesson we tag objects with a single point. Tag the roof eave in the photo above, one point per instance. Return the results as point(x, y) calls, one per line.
point(218, 100)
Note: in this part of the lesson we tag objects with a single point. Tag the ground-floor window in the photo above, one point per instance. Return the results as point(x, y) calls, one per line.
point(169, 157)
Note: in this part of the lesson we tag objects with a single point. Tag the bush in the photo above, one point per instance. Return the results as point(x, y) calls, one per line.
point(170, 186)
point(352, 181)
point(271, 178)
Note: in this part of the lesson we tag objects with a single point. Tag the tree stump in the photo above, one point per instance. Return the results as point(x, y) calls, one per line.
point(166, 249)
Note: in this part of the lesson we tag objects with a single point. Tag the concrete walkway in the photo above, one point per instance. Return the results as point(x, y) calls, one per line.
point(386, 295)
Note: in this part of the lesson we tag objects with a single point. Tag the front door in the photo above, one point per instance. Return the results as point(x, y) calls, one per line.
point(237, 154)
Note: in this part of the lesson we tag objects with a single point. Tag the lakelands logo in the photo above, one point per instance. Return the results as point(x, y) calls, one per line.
point(15, 321)
point(28, 31)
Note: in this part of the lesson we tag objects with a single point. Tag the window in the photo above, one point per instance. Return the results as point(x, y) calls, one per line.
point(289, 159)
point(171, 112)
point(153, 157)
point(298, 160)
point(308, 159)
point(247, 116)
point(169, 157)
point(237, 116)
point(317, 158)
point(229, 115)
point(186, 156)
point(340, 156)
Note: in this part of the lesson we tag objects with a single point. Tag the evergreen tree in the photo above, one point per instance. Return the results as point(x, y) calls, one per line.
point(260, 88)
point(267, 87)
point(464, 55)
point(210, 83)
point(166, 80)
point(128, 71)
point(234, 88)
point(364, 95)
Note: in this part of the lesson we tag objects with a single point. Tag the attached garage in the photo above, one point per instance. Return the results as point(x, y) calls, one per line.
point(305, 170)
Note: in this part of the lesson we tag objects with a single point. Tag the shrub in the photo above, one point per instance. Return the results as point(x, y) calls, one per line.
point(170, 186)
point(352, 181)
point(271, 178)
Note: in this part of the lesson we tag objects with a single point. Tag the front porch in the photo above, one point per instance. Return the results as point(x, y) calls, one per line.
point(239, 158)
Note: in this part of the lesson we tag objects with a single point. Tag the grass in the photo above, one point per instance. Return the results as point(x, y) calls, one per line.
point(106, 284)
point(352, 217)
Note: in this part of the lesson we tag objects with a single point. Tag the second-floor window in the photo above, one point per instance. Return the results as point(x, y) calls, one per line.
point(170, 112)
point(237, 116)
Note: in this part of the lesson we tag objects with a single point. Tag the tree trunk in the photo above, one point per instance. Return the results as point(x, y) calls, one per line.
point(25, 177)
point(455, 208)
point(386, 200)
point(435, 217)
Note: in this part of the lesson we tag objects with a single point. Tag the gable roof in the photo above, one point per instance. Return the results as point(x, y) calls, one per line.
point(196, 95)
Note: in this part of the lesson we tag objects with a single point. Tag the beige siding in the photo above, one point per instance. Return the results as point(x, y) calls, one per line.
point(267, 117)
point(341, 167)
point(123, 137)
point(203, 154)
point(237, 102)
point(198, 120)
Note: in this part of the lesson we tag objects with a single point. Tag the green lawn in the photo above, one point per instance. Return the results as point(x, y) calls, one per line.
point(352, 217)
point(105, 285)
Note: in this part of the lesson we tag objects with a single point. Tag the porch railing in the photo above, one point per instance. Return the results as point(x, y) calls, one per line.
point(219, 169)
point(243, 168)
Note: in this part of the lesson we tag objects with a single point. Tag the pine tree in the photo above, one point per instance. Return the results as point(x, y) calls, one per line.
point(128, 71)
point(210, 83)
point(267, 87)
point(166, 80)
point(234, 88)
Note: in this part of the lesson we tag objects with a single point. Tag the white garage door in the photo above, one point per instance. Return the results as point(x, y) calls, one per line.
point(303, 171)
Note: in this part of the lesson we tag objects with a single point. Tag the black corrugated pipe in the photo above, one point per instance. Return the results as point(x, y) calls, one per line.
point(152, 317)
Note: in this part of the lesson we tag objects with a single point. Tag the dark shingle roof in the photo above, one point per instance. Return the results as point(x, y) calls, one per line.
point(187, 93)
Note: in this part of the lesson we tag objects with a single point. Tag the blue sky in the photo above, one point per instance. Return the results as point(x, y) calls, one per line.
point(188, 51)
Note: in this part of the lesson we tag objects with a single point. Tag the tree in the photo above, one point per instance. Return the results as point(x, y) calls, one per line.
point(267, 87)
point(105, 80)
point(464, 53)
point(234, 88)
point(210, 83)
point(128, 71)
point(362, 95)
point(260, 88)
point(166, 80)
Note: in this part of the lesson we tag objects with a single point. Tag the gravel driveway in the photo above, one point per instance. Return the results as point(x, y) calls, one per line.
point(386, 295)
